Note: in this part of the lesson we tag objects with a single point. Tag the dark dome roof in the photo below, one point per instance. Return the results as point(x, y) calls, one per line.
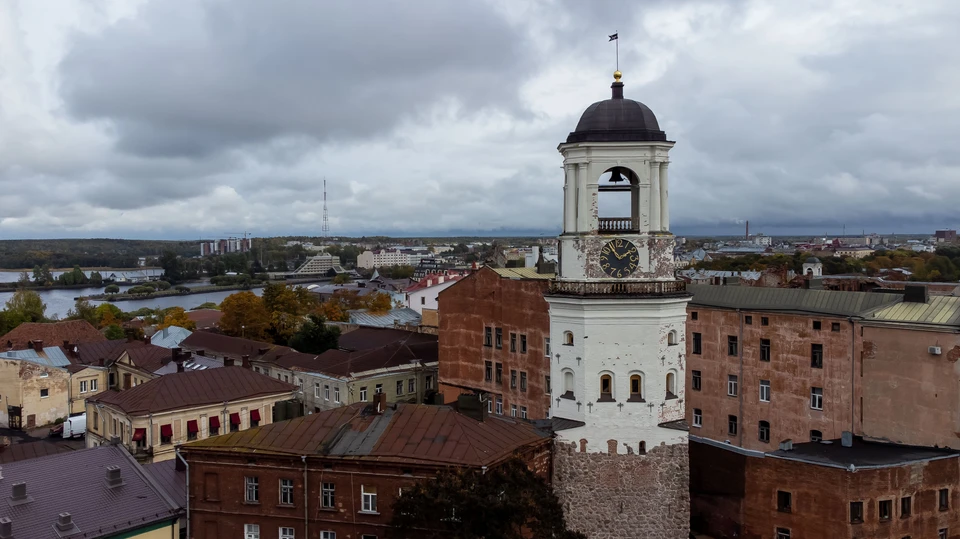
point(617, 120)
point(813, 260)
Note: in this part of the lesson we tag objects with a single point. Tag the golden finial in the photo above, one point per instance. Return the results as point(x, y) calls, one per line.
point(616, 75)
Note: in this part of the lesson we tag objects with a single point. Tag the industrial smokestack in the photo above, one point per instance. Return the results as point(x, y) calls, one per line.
point(748, 230)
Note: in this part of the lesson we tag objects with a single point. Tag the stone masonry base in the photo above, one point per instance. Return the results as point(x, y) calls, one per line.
point(620, 496)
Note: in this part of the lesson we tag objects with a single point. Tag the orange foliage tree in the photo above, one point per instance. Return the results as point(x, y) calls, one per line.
point(176, 316)
point(244, 315)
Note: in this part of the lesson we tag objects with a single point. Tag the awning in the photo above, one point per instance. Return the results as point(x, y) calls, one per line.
point(255, 415)
point(166, 431)
point(235, 418)
point(192, 426)
point(139, 434)
point(215, 422)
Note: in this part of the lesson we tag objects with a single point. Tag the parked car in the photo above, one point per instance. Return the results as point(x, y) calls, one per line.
point(75, 427)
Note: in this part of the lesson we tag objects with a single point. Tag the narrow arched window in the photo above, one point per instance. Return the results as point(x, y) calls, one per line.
point(568, 384)
point(636, 388)
point(606, 387)
point(672, 338)
point(643, 447)
point(671, 385)
point(568, 338)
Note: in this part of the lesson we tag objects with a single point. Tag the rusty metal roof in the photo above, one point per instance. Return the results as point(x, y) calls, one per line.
point(938, 310)
point(51, 333)
point(407, 433)
point(193, 388)
point(830, 302)
point(523, 273)
point(365, 338)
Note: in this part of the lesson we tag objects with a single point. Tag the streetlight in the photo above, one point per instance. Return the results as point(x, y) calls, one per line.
point(242, 328)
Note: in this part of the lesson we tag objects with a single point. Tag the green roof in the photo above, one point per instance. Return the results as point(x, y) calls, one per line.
point(830, 302)
point(938, 310)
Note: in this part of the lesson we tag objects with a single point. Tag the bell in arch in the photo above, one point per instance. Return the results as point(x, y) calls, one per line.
point(616, 175)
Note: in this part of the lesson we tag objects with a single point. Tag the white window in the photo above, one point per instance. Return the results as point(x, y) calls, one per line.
point(379, 389)
point(697, 417)
point(489, 405)
point(93, 384)
point(523, 412)
point(368, 499)
point(546, 346)
point(286, 533)
point(412, 385)
point(300, 383)
point(764, 390)
point(286, 491)
point(328, 535)
point(336, 394)
point(251, 531)
point(363, 394)
point(499, 405)
point(252, 489)
point(513, 410)
point(83, 386)
point(732, 385)
point(326, 393)
point(816, 398)
point(316, 390)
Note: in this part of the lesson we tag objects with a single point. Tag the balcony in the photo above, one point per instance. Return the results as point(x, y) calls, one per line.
point(617, 225)
point(579, 288)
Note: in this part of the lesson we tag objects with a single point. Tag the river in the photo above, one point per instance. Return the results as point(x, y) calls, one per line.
point(60, 301)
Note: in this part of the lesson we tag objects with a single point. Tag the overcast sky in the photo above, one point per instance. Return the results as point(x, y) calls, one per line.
point(181, 119)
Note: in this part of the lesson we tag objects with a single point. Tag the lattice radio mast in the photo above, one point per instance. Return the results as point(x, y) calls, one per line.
point(326, 218)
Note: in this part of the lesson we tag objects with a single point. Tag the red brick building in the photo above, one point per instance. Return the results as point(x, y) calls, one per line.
point(336, 474)
point(495, 340)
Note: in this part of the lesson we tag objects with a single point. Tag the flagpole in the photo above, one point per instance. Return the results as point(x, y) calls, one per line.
point(617, 33)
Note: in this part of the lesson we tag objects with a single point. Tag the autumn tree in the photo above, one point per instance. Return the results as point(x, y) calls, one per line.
point(108, 315)
point(245, 316)
point(341, 278)
point(508, 502)
point(287, 307)
point(27, 306)
point(314, 336)
point(378, 302)
point(83, 310)
point(114, 332)
point(176, 316)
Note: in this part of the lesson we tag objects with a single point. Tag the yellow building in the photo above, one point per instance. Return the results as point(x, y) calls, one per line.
point(152, 418)
point(85, 381)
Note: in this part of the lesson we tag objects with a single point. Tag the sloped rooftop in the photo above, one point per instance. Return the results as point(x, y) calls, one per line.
point(51, 333)
point(937, 311)
point(829, 302)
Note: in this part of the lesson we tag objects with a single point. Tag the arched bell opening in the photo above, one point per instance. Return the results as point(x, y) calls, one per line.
point(618, 202)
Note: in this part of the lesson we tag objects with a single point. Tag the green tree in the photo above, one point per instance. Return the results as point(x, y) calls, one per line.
point(83, 310)
point(341, 278)
point(206, 305)
point(24, 280)
point(9, 321)
point(111, 289)
point(162, 285)
point(170, 263)
point(507, 502)
point(108, 314)
point(315, 337)
point(38, 278)
point(26, 306)
point(114, 333)
point(96, 279)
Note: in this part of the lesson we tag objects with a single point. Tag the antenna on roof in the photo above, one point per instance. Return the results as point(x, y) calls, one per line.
point(326, 220)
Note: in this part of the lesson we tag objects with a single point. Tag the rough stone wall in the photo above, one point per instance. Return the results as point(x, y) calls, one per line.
point(616, 495)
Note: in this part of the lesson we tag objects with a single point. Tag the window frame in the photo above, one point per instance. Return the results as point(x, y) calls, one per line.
point(513, 342)
point(499, 405)
point(399, 387)
point(884, 510)
point(764, 391)
point(763, 431)
point(816, 398)
point(251, 531)
point(733, 425)
point(328, 496)
point(251, 489)
point(816, 438)
point(498, 373)
point(783, 533)
point(336, 394)
point(817, 325)
point(368, 500)
point(523, 412)
point(487, 371)
point(856, 512)
point(697, 347)
point(286, 491)
point(943, 499)
point(286, 532)
point(766, 350)
point(816, 356)
point(523, 343)
point(733, 385)
point(363, 394)
point(513, 378)
point(696, 380)
point(546, 346)
point(733, 348)
point(697, 417)
point(906, 506)
point(411, 385)
point(498, 338)
point(523, 380)
point(488, 336)
point(784, 501)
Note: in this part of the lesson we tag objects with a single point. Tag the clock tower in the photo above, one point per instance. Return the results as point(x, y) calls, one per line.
point(617, 317)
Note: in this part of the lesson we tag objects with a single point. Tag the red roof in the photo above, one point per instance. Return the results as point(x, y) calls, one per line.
point(408, 433)
point(343, 363)
point(234, 347)
point(431, 280)
point(193, 388)
point(51, 333)
point(205, 318)
point(365, 338)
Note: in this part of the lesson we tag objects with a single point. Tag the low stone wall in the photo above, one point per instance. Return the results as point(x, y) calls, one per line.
point(618, 496)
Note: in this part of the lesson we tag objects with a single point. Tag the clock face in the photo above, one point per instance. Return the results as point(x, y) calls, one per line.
point(619, 258)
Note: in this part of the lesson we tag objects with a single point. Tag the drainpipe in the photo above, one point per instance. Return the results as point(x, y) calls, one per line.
point(740, 344)
point(853, 376)
point(306, 513)
point(185, 463)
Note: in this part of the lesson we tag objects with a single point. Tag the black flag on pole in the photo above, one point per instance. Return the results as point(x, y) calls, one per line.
point(613, 37)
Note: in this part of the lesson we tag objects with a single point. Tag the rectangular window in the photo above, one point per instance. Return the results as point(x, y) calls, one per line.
point(732, 385)
point(326, 393)
point(764, 349)
point(816, 398)
point(363, 394)
point(748, 320)
point(523, 344)
point(523, 412)
point(856, 512)
point(499, 405)
point(428, 382)
point(328, 535)
point(316, 390)
point(488, 370)
point(93, 384)
point(783, 533)
point(513, 342)
point(513, 410)
point(286, 533)
point(764, 321)
point(696, 381)
point(944, 499)
point(286, 491)
point(697, 343)
point(327, 495)
point(942, 534)
point(399, 387)
point(905, 503)
point(885, 509)
point(499, 373)
point(488, 336)
point(251, 493)
point(423, 300)
point(546, 384)
point(368, 499)
point(489, 406)
point(300, 383)
point(513, 379)
point(499, 341)
point(378, 389)
point(816, 325)
point(764, 432)
point(764, 390)
point(546, 346)
point(732, 425)
point(816, 436)
point(83, 386)
point(835, 327)
point(694, 315)
point(523, 381)
point(697, 417)
point(412, 385)
point(731, 345)
point(784, 501)
point(44, 393)
point(336, 394)
point(251, 531)
point(816, 356)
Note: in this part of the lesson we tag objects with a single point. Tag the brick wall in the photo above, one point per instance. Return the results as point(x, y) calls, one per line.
point(610, 496)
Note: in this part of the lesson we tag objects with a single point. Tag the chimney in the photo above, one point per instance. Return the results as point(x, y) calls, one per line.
point(261, 351)
point(179, 366)
point(146, 340)
point(786, 445)
point(472, 406)
point(6, 528)
point(913, 293)
point(228, 362)
point(846, 439)
point(18, 494)
point(114, 440)
point(748, 230)
point(100, 362)
point(38, 345)
point(65, 522)
point(114, 478)
point(66, 344)
point(245, 361)
point(380, 400)
point(175, 353)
